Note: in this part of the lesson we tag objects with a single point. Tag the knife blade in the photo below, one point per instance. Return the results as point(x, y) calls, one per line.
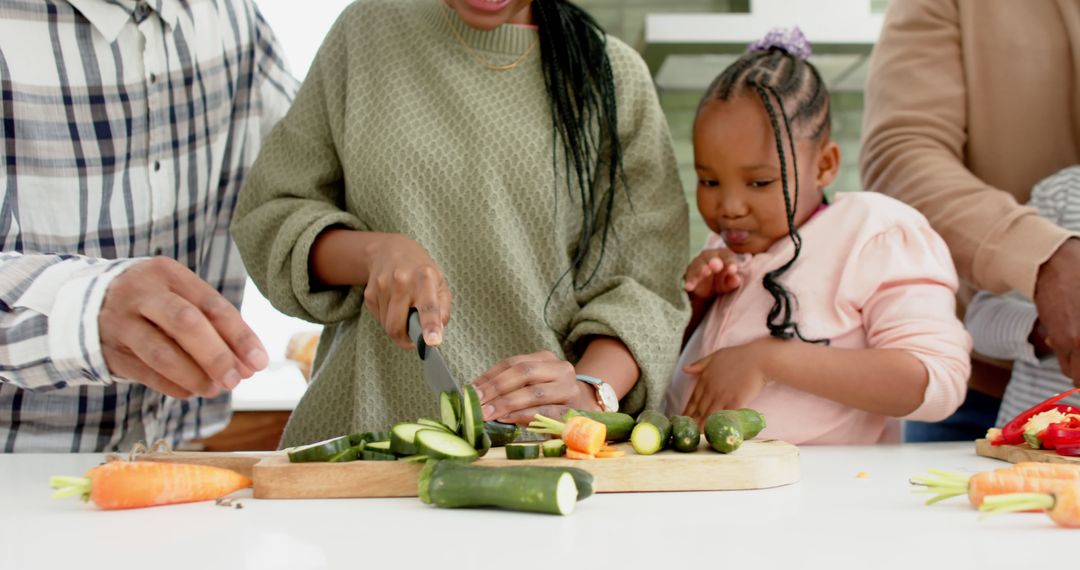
point(436, 373)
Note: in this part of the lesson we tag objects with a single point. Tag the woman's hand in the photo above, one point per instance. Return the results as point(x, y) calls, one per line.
point(728, 379)
point(403, 276)
point(518, 388)
point(712, 273)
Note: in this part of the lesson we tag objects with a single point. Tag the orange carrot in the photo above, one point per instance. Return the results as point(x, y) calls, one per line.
point(610, 453)
point(981, 485)
point(580, 433)
point(574, 454)
point(1062, 505)
point(129, 485)
point(1052, 470)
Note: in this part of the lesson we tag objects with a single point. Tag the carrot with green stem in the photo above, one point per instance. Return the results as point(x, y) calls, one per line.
point(945, 485)
point(1063, 505)
point(129, 485)
point(581, 434)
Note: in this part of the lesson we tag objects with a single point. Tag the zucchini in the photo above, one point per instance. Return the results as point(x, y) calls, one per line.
point(685, 435)
point(472, 418)
point(500, 433)
point(321, 451)
point(435, 424)
point(402, 436)
point(453, 484)
point(582, 478)
point(368, 436)
point(522, 451)
point(450, 410)
point(485, 445)
point(724, 431)
point(378, 446)
point(439, 444)
point(651, 434)
point(350, 454)
point(369, 455)
point(553, 448)
point(619, 425)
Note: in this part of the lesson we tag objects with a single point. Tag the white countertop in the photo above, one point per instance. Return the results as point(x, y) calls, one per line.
point(832, 519)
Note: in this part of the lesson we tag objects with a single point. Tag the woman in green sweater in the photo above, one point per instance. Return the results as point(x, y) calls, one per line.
point(503, 157)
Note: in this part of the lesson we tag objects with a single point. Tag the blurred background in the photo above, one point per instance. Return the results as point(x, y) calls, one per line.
point(686, 44)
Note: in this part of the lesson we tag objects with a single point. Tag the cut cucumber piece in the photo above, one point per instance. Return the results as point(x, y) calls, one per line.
point(378, 446)
point(724, 431)
point(439, 444)
point(500, 433)
point(651, 434)
point(369, 455)
point(685, 435)
point(321, 451)
point(485, 445)
point(368, 436)
point(582, 478)
point(453, 484)
point(450, 410)
point(350, 454)
point(401, 438)
point(418, 458)
point(619, 425)
point(436, 424)
point(553, 448)
point(472, 418)
point(522, 451)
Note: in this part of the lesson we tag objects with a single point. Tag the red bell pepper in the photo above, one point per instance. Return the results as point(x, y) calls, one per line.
point(1013, 432)
point(1061, 434)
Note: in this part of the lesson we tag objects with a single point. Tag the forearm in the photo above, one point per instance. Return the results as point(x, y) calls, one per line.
point(342, 257)
point(608, 358)
point(880, 381)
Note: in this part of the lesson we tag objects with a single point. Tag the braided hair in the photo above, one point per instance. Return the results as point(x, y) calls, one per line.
point(581, 90)
point(793, 94)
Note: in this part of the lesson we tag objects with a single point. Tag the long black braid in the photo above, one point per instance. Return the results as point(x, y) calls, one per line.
point(581, 88)
point(778, 76)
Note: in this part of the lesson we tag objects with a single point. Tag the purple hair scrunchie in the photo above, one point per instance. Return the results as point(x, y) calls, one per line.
point(790, 40)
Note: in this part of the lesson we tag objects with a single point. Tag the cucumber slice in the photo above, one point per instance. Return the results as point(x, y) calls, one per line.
point(321, 451)
point(439, 444)
point(619, 425)
point(500, 433)
point(651, 434)
point(453, 484)
point(553, 448)
point(350, 454)
point(522, 451)
point(472, 418)
point(436, 424)
point(378, 446)
point(369, 455)
point(418, 458)
point(402, 438)
point(450, 410)
point(368, 436)
point(485, 445)
point(685, 435)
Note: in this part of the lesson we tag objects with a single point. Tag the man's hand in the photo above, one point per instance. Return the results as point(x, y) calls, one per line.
point(162, 326)
point(1057, 298)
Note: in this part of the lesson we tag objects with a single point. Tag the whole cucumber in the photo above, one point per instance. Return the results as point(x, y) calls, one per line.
point(723, 431)
point(685, 435)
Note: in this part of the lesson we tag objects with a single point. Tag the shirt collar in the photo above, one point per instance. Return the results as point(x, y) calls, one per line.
point(110, 16)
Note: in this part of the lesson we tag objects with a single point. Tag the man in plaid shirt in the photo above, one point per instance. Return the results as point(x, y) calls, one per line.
point(127, 128)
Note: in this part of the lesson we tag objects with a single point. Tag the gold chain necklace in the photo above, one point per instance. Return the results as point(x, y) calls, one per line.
point(476, 56)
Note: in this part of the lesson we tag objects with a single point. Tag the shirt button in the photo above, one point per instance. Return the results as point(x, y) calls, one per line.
point(142, 11)
point(157, 165)
point(159, 251)
point(153, 78)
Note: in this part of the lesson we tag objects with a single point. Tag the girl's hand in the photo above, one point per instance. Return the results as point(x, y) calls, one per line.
point(518, 388)
point(712, 273)
point(728, 379)
point(402, 276)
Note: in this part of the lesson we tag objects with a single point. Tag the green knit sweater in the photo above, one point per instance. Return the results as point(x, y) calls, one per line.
point(398, 128)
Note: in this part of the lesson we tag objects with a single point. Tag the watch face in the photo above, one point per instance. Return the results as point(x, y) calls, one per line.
point(608, 398)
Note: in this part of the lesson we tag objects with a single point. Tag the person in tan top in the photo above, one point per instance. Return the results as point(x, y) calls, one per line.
point(969, 104)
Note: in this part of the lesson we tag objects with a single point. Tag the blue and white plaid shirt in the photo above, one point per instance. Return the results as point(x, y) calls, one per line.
point(126, 130)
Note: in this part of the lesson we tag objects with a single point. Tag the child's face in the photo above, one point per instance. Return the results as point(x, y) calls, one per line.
point(739, 190)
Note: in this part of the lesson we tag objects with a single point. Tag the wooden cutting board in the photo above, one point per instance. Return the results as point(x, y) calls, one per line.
point(755, 465)
point(1019, 453)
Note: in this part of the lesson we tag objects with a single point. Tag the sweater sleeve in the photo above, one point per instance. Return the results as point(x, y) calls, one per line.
point(910, 305)
point(914, 139)
point(295, 191)
point(636, 294)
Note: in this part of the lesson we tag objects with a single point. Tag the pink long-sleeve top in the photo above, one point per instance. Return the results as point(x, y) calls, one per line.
point(872, 274)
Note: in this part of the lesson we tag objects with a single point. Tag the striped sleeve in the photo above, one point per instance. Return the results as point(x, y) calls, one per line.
point(49, 306)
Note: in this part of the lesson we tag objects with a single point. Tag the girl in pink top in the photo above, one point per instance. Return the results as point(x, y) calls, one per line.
point(832, 320)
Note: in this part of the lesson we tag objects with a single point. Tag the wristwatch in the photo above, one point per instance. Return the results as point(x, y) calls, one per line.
point(605, 394)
